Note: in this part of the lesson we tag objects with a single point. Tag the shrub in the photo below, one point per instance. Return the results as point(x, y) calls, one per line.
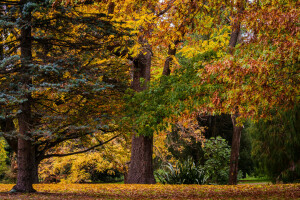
point(217, 155)
point(185, 172)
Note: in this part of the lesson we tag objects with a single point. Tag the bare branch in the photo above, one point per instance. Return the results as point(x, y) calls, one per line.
point(83, 151)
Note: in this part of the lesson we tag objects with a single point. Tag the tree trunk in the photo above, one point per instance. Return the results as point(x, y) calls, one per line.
point(237, 130)
point(26, 153)
point(26, 150)
point(2, 10)
point(140, 167)
point(167, 65)
point(235, 150)
point(35, 173)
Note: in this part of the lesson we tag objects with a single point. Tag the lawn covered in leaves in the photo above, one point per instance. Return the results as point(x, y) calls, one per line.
point(157, 191)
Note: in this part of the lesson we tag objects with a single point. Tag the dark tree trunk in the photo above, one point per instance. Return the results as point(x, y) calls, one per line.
point(7, 125)
point(35, 172)
point(1, 46)
point(234, 36)
point(140, 167)
point(141, 70)
point(26, 153)
point(1, 36)
point(236, 26)
point(235, 150)
point(168, 62)
point(26, 150)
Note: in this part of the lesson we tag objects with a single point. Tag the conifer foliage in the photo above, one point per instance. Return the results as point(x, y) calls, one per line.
point(52, 83)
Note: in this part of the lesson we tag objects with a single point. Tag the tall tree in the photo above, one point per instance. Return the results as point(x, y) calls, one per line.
point(53, 79)
point(259, 75)
point(276, 142)
point(141, 168)
point(237, 129)
point(172, 23)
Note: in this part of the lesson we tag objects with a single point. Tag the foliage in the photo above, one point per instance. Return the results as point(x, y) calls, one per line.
point(276, 145)
point(158, 191)
point(168, 100)
point(65, 77)
point(262, 73)
point(182, 145)
point(215, 168)
point(94, 166)
point(3, 156)
point(217, 155)
point(185, 172)
point(246, 165)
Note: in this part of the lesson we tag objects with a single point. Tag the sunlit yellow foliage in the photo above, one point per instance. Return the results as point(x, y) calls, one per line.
point(76, 168)
point(217, 42)
point(3, 155)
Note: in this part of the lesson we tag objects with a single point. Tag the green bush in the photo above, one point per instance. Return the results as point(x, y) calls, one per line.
point(217, 155)
point(185, 172)
point(214, 171)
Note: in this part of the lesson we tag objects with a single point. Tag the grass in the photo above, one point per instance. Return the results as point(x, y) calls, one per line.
point(255, 180)
point(157, 191)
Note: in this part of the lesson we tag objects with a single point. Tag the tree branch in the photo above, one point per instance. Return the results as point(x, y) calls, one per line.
point(166, 9)
point(83, 151)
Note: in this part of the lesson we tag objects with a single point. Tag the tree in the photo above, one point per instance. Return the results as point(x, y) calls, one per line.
point(53, 93)
point(276, 146)
point(247, 87)
point(172, 23)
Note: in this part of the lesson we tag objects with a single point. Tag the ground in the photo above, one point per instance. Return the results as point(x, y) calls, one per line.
point(157, 191)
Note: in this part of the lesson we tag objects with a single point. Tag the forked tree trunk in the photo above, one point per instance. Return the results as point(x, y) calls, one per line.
point(235, 150)
point(140, 167)
point(26, 150)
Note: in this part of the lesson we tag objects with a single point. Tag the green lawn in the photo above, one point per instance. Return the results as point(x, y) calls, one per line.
point(255, 180)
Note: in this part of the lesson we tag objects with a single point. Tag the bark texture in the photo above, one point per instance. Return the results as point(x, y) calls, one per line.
point(26, 153)
point(235, 150)
point(140, 167)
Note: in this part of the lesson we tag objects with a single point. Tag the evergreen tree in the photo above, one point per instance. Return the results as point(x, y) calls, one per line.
point(52, 83)
point(276, 146)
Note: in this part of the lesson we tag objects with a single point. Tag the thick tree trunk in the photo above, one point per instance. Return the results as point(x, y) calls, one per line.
point(26, 150)
point(140, 167)
point(235, 150)
point(26, 153)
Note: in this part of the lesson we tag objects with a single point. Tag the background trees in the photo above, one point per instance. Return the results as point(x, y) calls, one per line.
point(276, 146)
point(66, 67)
